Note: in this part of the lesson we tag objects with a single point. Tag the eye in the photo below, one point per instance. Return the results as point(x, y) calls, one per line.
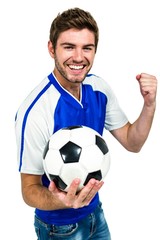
point(68, 47)
point(88, 48)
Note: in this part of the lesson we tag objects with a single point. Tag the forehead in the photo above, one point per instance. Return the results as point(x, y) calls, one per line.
point(75, 36)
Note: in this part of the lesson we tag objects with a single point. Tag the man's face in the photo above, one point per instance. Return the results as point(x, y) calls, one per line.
point(74, 55)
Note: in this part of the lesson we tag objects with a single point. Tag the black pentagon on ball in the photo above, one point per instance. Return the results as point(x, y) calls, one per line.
point(101, 144)
point(70, 152)
point(58, 181)
point(96, 175)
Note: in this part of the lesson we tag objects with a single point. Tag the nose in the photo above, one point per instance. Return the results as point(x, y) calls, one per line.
point(78, 55)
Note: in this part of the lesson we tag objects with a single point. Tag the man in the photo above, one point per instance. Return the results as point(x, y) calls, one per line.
point(70, 96)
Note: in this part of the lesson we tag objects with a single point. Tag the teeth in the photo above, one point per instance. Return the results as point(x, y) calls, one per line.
point(75, 67)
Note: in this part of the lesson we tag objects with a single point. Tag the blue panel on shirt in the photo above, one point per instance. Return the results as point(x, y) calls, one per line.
point(70, 112)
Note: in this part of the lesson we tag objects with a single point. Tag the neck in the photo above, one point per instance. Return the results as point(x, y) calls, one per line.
point(72, 88)
point(75, 91)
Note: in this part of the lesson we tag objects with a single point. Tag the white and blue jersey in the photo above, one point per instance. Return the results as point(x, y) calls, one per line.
point(50, 107)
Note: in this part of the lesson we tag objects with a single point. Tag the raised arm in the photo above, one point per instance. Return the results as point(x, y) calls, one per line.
point(133, 136)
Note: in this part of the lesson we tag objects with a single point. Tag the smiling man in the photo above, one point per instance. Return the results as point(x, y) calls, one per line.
point(70, 96)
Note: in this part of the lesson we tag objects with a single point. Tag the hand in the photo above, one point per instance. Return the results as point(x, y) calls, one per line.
point(72, 199)
point(148, 88)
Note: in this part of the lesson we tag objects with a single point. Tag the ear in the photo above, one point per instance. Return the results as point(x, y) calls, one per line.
point(50, 49)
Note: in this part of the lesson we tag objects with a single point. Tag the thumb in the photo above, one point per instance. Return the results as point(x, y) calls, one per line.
point(138, 77)
point(52, 187)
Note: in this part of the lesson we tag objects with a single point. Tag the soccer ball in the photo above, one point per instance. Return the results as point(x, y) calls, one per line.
point(75, 152)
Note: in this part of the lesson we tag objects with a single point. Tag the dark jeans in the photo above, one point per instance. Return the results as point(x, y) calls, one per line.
point(93, 227)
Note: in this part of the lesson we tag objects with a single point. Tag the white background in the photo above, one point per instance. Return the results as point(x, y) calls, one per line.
point(129, 44)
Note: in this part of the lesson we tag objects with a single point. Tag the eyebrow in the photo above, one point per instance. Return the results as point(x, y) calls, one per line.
point(73, 45)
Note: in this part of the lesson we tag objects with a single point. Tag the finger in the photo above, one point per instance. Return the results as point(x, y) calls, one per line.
point(144, 75)
point(73, 188)
point(138, 77)
point(72, 191)
point(52, 186)
point(89, 191)
point(82, 194)
point(148, 84)
point(96, 187)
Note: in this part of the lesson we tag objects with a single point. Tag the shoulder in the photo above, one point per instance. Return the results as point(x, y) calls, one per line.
point(99, 84)
point(37, 98)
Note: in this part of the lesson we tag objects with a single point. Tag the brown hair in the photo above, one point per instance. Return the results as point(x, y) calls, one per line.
point(73, 18)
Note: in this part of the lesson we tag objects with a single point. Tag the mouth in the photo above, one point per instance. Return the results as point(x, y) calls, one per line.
point(76, 67)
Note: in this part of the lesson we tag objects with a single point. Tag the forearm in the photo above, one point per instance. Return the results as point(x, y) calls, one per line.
point(139, 130)
point(38, 196)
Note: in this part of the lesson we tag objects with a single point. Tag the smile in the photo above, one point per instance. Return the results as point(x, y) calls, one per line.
point(75, 67)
